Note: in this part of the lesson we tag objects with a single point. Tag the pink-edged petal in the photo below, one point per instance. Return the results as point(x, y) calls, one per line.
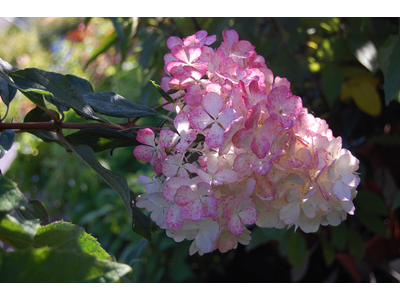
point(209, 206)
point(194, 54)
point(191, 168)
point(230, 36)
point(242, 163)
point(181, 122)
point(227, 176)
point(178, 52)
point(277, 96)
point(342, 191)
point(212, 104)
point(292, 106)
point(193, 211)
point(200, 119)
point(261, 166)
point(235, 225)
point(227, 116)
point(169, 191)
point(253, 116)
point(144, 153)
point(146, 136)
point(171, 165)
point(193, 99)
point(242, 46)
point(282, 81)
point(248, 215)
point(243, 138)
point(168, 138)
point(260, 145)
point(215, 136)
point(173, 41)
point(290, 213)
point(173, 217)
point(184, 195)
point(205, 176)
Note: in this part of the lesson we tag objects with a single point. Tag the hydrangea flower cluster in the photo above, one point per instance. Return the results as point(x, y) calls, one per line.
point(244, 151)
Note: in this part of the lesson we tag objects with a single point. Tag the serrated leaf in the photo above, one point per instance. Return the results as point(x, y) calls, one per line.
point(100, 139)
point(38, 115)
point(331, 82)
point(6, 141)
point(116, 181)
point(10, 196)
point(364, 50)
point(356, 245)
point(297, 250)
point(392, 78)
point(339, 236)
point(371, 202)
point(34, 210)
point(18, 233)
point(384, 52)
point(373, 223)
point(56, 86)
point(67, 236)
point(80, 84)
point(364, 93)
point(7, 92)
point(49, 265)
point(114, 105)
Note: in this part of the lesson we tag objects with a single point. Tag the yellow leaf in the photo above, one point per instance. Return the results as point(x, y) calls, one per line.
point(363, 91)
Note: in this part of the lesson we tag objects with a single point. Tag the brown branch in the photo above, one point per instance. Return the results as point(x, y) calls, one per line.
point(65, 125)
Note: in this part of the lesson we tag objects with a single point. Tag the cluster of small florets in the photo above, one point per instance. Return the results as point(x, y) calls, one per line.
point(243, 151)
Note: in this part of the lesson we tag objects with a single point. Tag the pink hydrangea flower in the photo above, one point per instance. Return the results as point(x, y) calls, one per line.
point(244, 151)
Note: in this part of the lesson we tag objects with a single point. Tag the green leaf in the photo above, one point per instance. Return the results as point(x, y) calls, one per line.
point(371, 202)
point(162, 92)
point(53, 265)
point(364, 50)
point(107, 43)
point(384, 52)
point(297, 250)
point(100, 139)
point(327, 250)
point(373, 223)
point(392, 78)
point(331, 82)
point(81, 85)
point(140, 222)
point(18, 234)
point(57, 87)
point(67, 236)
point(7, 92)
point(10, 196)
point(396, 201)
point(34, 210)
point(6, 141)
point(356, 245)
point(339, 236)
point(116, 181)
point(37, 114)
point(114, 105)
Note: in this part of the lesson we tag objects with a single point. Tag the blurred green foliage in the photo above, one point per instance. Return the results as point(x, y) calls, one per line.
point(342, 68)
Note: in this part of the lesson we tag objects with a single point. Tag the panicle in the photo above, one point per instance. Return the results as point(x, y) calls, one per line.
point(244, 151)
